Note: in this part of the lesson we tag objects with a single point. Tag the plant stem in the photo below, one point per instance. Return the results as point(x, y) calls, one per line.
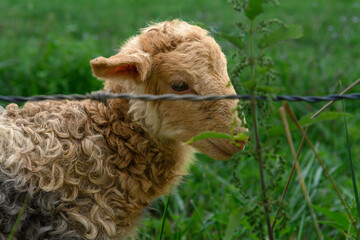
point(256, 132)
point(351, 162)
point(298, 170)
point(251, 51)
point(301, 145)
point(293, 118)
point(289, 180)
point(261, 167)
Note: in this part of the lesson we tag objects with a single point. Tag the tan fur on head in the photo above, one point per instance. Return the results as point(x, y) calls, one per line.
point(167, 52)
point(90, 169)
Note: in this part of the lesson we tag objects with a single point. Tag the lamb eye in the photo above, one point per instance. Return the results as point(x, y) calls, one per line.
point(179, 86)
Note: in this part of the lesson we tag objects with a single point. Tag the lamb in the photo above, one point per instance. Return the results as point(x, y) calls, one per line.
point(88, 169)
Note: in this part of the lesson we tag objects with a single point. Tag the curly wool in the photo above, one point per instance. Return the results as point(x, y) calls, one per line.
point(89, 171)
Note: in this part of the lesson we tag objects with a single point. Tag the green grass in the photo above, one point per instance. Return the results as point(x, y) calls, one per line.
point(46, 47)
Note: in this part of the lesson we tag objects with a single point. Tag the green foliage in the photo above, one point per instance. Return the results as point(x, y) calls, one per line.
point(254, 8)
point(58, 38)
point(46, 46)
point(205, 135)
point(337, 220)
point(233, 223)
point(52, 65)
point(237, 41)
point(280, 34)
point(238, 137)
point(260, 80)
point(305, 121)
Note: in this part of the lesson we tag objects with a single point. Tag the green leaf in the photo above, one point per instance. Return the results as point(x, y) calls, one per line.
point(339, 219)
point(254, 9)
point(205, 135)
point(234, 221)
point(249, 85)
point(280, 34)
point(237, 41)
point(306, 121)
point(241, 137)
point(332, 224)
point(269, 89)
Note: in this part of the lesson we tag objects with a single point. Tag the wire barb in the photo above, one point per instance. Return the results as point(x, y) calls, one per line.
point(104, 96)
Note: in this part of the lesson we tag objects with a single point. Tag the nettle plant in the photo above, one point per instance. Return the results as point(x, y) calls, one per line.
point(255, 37)
point(251, 40)
point(257, 74)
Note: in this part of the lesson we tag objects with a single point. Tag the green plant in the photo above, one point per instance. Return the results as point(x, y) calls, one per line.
point(311, 65)
point(251, 55)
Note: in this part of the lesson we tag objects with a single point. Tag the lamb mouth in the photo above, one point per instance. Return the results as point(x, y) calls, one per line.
point(226, 154)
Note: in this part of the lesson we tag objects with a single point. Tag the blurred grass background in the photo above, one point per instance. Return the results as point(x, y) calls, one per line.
point(45, 48)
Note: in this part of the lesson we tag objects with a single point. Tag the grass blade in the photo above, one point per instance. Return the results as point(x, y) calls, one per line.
point(233, 223)
point(302, 142)
point(199, 216)
point(351, 163)
point(164, 217)
point(292, 116)
point(289, 180)
point(301, 228)
point(298, 171)
point(13, 229)
point(337, 218)
point(307, 121)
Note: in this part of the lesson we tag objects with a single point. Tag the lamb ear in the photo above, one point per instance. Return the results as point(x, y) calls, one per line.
point(122, 66)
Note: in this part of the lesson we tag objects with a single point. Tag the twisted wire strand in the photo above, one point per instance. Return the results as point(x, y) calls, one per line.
point(103, 96)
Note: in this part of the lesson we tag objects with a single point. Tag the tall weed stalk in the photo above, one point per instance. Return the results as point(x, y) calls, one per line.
point(251, 39)
point(260, 35)
point(351, 166)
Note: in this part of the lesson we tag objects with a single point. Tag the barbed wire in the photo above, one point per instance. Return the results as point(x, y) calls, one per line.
point(103, 96)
